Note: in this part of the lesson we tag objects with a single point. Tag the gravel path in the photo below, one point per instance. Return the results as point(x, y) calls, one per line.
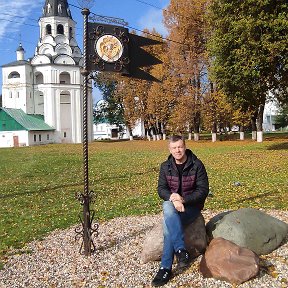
point(56, 261)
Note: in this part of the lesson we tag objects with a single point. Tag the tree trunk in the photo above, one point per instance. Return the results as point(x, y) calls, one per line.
point(147, 132)
point(197, 122)
point(260, 123)
point(254, 127)
point(197, 125)
point(241, 130)
point(130, 132)
point(158, 130)
point(153, 132)
point(190, 132)
point(163, 129)
point(214, 132)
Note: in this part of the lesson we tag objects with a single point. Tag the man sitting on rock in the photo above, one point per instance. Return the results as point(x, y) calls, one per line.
point(183, 185)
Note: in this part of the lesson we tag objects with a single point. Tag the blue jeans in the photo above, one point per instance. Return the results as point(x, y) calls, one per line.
point(173, 224)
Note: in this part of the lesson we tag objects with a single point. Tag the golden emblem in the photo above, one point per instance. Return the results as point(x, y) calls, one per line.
point(109, 48)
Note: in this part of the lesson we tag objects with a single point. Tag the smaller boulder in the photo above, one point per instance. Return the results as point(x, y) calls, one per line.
point(194, 236)
point(224, 260)
point(153, 244)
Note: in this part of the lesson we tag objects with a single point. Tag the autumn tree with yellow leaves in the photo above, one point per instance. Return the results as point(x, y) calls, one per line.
point(160, 95)
point(185, 22)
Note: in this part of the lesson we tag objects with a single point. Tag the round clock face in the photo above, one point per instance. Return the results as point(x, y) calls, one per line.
point(109, 48)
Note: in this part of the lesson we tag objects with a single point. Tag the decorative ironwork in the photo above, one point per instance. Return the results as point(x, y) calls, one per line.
point(96, 32)
point(88, 228)
point(108, 19)
point(97, 61)
point(120, 33)
point(81, 197)
point(120, 64)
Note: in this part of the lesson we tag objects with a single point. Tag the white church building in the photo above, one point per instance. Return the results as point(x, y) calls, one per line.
point(42, 96)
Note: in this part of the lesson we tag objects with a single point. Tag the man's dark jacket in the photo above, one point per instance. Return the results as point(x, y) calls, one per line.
point(195, 185)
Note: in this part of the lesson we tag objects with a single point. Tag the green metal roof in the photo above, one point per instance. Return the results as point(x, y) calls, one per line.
point(28, 122)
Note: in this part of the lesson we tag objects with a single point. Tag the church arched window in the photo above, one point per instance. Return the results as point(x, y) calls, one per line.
point(65, 78)
point(39, 78)
point(60, 29)
point(14, 74)
point(70, 32)
point(48, 29)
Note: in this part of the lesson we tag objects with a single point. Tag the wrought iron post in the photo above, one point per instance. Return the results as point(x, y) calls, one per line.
point(87, 229)
point(86, 200)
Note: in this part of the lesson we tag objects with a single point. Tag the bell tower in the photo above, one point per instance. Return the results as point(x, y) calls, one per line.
point(56, 19)
point(57, 79)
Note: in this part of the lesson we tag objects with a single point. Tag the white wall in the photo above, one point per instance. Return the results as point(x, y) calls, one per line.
point(270, 111)
point(6, 138)
point(41, 137)
point(26, 138)
point(16, 91)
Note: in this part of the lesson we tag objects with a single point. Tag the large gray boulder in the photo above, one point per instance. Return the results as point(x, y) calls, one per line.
point(249, 228)
point(194, 236)
point(227, 261)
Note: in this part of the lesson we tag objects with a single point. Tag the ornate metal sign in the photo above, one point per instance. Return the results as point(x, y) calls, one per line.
point(108, 48)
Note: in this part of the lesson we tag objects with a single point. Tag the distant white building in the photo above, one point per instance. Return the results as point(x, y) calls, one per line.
point(104, 130)
point(269, 115)
point(49, 84)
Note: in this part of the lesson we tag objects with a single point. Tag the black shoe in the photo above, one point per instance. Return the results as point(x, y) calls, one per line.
point(162, 277)
point(183, 258)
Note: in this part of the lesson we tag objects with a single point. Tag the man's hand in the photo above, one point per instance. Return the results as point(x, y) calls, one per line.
point(176, 197)
point(177, 201)
point(178, 206)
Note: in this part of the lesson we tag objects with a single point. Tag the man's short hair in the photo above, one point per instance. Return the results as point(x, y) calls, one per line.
point(175, 138)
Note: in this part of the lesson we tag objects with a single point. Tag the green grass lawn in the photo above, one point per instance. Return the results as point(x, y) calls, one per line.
point(38, 184)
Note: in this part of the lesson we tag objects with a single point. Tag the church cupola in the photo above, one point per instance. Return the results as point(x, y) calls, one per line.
point(56, 8)
point(20, 53)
